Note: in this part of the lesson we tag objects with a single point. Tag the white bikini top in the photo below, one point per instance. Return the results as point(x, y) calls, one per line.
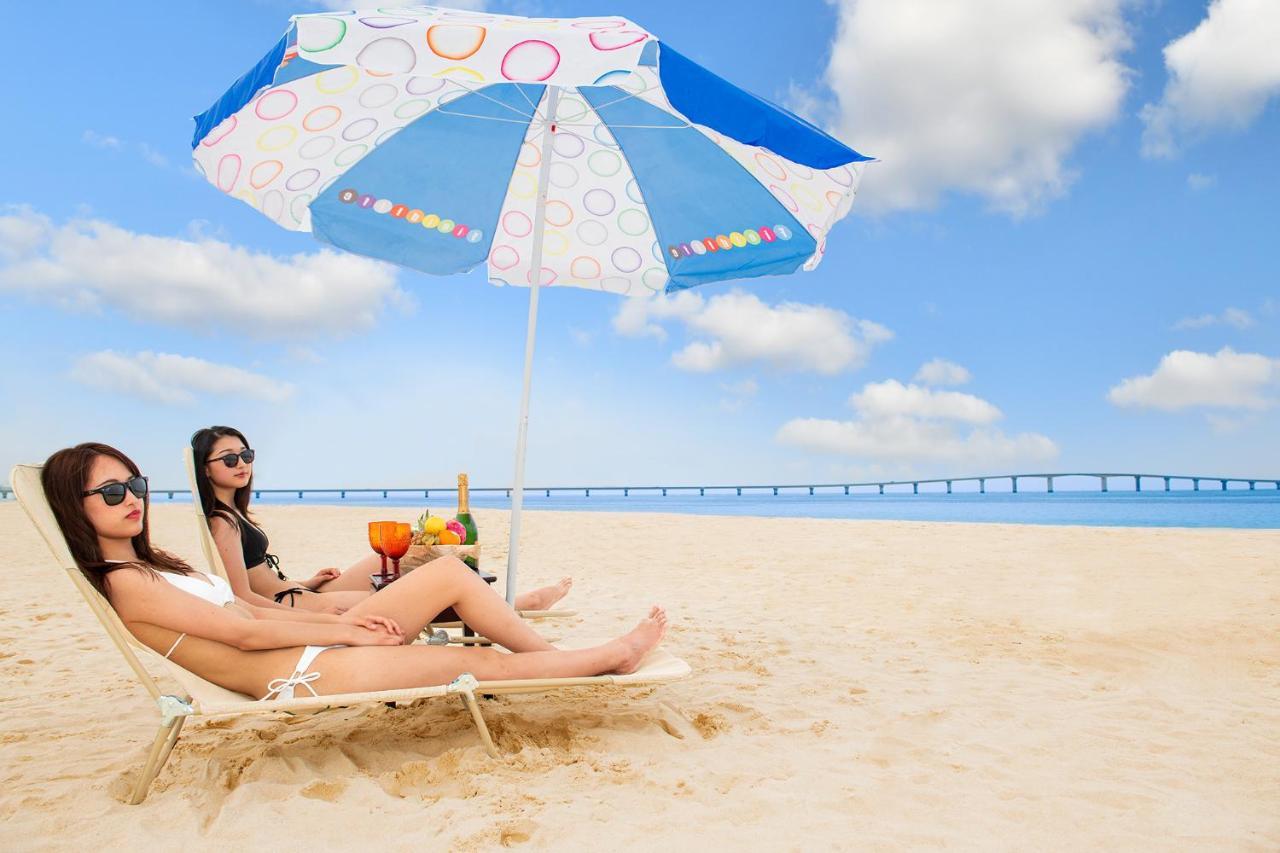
point(216, 591)
point(211, 588)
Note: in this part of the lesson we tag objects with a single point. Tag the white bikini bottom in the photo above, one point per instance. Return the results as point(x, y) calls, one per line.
point(282, 688)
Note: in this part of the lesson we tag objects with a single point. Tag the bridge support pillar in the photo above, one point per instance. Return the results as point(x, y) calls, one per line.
point(775, 490)
point(739, 491)
point(846, 490)
point(548, 493)
point(1251, 485)
point(881, 488)
point(384, 494)
point(982, 486)
point(588, 493)
point(664, 493)
point(299, 495)
point(626, 493)
point(1224, 485)
point(1049, 480)
point(948, 487)
point(1166, 483)
point(1015, 484)
point(343, 494)
point(1104, 483)
point(915, 488)
point(508, 493)
point(1195, 483)
point(1137, 482)
point(702, 493)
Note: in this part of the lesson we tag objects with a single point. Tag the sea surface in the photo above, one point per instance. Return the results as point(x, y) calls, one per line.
point(1236, 508)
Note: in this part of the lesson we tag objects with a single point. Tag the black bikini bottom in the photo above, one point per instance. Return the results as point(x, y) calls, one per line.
point(292, 593)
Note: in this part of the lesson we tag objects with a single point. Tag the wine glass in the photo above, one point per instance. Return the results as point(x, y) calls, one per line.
point(395, 538)
point(375, 542)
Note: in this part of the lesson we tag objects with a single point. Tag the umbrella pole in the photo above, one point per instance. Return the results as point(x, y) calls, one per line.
point(535, 280)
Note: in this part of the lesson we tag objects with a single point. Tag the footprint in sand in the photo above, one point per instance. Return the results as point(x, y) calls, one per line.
point(519, 832)
point(328, 790)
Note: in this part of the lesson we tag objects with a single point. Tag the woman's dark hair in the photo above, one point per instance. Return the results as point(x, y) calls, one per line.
point(202, 442)
point(64, 478)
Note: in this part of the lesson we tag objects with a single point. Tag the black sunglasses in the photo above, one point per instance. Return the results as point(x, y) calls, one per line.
point(113, 493)
point(229, 459)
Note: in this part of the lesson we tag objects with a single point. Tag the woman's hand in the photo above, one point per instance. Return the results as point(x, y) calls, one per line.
point(373, 622)
point(374, 631)
point(321, 577)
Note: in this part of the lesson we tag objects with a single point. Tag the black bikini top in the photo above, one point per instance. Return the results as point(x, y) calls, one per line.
point(254, 544)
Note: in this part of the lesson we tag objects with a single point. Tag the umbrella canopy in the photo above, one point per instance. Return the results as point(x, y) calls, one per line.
point(558, 151)
point(416, 137)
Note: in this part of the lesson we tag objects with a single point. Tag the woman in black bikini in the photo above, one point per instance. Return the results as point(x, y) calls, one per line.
point(224, 479)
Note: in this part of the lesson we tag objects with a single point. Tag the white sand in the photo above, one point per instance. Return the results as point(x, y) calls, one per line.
point(858, 685)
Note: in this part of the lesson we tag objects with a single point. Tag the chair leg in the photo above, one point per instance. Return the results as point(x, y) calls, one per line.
point(465, 686)
point(161, 747)
point(481, 726)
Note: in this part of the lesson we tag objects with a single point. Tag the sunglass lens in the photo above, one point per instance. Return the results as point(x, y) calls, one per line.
point(113, 494)
point(247, 456)
point(138, 485)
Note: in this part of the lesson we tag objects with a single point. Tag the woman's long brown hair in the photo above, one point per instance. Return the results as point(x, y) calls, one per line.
point(65, 477)
point(202, 442)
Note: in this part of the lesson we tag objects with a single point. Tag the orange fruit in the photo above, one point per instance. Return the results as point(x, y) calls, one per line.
point(448, 537)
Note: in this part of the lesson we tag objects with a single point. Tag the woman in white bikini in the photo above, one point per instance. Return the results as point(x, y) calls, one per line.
point(99, 499)
point(224, 479)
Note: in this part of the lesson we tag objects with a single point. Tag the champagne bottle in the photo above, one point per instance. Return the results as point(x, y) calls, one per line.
point(464, 512)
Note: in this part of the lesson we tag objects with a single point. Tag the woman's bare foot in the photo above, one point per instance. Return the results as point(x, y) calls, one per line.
point(544, 598)
point(641, 640)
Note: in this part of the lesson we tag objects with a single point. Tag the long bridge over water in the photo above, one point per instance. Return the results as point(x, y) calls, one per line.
point(1104, 480)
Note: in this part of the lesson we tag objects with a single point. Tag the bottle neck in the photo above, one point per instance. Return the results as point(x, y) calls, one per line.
point(464, 497)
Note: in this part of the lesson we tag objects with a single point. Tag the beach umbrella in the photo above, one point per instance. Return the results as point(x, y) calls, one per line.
point(560, 152)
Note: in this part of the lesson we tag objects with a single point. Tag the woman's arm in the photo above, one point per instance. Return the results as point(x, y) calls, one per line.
point(141, 598)
point(290, 615)
point(227, 538)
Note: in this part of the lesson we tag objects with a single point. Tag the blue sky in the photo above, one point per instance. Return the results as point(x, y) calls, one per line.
point(1092, 243)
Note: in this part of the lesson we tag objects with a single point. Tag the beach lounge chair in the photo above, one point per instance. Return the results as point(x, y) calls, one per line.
point(203, 699)
point(213, 559)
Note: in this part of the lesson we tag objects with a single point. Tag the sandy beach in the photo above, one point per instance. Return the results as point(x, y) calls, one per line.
point(857, 685)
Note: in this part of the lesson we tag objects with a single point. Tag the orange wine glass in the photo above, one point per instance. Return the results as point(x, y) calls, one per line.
point(375, 542)
point(395, 538)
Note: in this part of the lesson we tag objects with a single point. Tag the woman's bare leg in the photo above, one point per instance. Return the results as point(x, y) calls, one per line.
point(390, 668)
point(356, 577)
point(544, 598)
point(417, 597)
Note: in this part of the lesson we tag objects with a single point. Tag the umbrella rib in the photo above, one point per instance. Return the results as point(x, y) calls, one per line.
point(525, 116)
point(531, 104)
point(444, 111)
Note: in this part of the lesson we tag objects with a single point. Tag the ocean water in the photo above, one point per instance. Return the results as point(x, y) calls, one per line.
point(1237, 508)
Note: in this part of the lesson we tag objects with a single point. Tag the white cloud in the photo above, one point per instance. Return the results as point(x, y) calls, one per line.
point(1184, 379)
point(1199, 182)
point(986, 97)
point(891, 399)
point(175, 379)
point(1230, 317)
point(939, 371)
point(100, 140)
point(737, 328)
point(1221, 74)
point(737, 394)
point(196, 283)
point(908, 423)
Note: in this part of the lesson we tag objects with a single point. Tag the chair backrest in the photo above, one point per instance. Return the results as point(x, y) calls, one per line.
point(211, 556)
point(27, 488)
